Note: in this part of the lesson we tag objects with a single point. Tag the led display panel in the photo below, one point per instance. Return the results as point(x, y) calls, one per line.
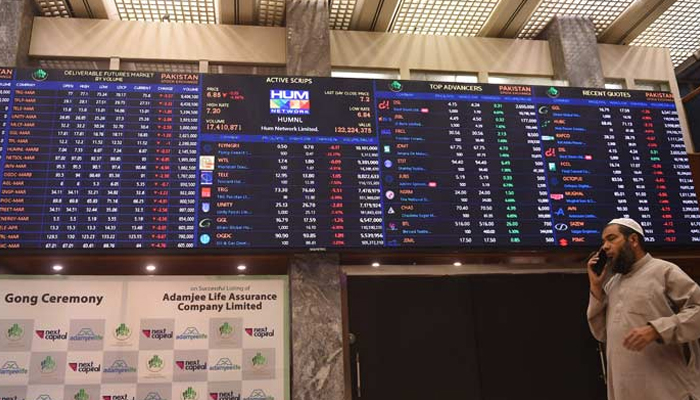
point(144, 160)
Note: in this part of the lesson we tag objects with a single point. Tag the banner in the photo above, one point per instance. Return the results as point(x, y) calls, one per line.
point(144, 338)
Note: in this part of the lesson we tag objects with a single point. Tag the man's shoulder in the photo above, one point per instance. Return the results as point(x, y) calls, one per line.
point(663, 264)
point(668, 270)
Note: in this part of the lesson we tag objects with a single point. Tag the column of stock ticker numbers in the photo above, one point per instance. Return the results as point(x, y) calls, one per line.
point(288, 162)
point(612, 153)
point(461, 165)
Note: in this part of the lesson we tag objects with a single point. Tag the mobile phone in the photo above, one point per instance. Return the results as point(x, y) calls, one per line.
point(599, 266)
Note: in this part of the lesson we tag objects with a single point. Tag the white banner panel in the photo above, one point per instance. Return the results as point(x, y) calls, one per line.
point(144, 338)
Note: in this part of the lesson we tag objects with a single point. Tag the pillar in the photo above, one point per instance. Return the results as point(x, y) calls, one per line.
point(316, 298)
point(317, 326)
point(308, 38)
point(574, 50)
point(16, 19)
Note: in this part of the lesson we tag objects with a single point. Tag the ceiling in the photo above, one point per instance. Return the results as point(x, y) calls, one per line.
point(658, 23)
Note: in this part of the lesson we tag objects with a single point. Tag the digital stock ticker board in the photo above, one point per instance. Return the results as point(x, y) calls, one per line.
point(141, 160)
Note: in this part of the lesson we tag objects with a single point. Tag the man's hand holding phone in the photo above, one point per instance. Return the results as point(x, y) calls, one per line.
point(597, 262)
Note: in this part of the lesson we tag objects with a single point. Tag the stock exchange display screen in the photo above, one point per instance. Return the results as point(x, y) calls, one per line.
point(140, 160)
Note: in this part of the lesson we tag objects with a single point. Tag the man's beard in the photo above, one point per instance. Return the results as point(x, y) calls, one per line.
point(623, 262)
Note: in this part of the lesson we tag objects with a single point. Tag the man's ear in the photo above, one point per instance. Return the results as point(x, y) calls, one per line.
point(635, 239)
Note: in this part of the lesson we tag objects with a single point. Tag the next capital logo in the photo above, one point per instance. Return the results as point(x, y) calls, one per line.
point(52, 334)
point(158, 334)
point(85, 367)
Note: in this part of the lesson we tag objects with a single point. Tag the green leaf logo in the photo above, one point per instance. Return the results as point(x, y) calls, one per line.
point(189, 394)
point(48, 365)
point(155, 364)
point(259, 360)
point(40, 75)
point(15, 332)
point(122, 332)
point(226, 329)
point(395, 86)
point(82, 395)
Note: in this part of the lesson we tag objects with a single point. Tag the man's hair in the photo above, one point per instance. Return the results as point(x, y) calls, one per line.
point(627, 231)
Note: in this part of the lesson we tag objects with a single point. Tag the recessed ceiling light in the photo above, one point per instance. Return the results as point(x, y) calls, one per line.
point(601, 13)
point(341, 14)
point(53, 8)
point(241, 267)
point(457, 264)
point(453, 17)
point(150, 267)
point(375, 264)
point(676, 29)
point(206, 11)
point(57, 267)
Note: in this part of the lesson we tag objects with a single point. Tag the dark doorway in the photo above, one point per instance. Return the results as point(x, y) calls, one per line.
point(488, 337)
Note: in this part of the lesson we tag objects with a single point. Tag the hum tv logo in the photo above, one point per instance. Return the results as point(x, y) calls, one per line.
point(290, 102)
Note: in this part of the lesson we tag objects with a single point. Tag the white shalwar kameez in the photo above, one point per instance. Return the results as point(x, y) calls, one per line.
point(657, 293)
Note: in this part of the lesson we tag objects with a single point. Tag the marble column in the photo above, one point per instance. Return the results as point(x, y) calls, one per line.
point(308, 38)
point(16, 19)
point(317, 327)
point(316, 296)
point(315, 279)
point(574, 49)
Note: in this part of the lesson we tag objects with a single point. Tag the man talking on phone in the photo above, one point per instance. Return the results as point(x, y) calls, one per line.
point(647, 311)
